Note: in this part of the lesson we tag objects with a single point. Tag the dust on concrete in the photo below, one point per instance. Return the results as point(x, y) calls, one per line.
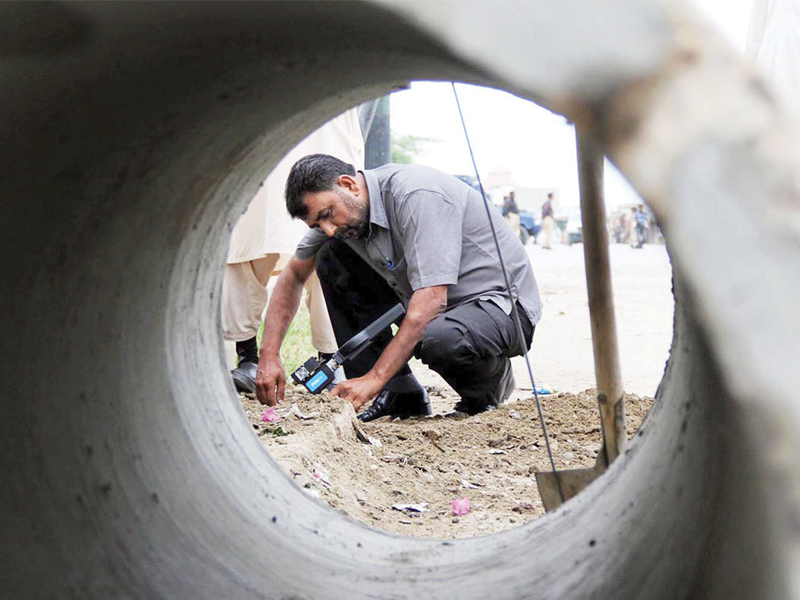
point(401, 476)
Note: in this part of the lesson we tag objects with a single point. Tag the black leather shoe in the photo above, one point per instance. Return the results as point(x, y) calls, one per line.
point(244, 378)
point(398, 405)
point(505, 386)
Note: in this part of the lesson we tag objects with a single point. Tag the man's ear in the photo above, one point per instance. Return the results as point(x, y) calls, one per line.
point(349, 183)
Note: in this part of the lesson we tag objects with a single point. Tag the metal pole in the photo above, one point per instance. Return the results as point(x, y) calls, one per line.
point(378, 141)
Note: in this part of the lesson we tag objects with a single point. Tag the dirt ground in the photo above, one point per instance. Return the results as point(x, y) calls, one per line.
point(401, 476)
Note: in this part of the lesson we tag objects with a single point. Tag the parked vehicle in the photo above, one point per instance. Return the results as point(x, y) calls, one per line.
point(529, 226)
point(470, 180)
point(574, 228)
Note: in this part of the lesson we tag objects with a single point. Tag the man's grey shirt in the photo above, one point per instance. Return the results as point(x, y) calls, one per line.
point(428, 228)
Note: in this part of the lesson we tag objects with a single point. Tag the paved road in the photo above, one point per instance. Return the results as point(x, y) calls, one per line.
point(562, 348)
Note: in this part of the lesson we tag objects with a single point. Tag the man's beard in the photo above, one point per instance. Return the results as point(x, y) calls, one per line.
point(360, 228)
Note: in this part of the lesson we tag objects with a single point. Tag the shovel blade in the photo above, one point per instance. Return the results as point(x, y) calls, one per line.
point(572, 483)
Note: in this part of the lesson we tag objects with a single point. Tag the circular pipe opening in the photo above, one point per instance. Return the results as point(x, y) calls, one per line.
point(322, 453)
point(125, 146)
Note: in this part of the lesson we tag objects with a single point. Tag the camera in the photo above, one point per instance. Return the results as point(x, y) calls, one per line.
point(316, 375)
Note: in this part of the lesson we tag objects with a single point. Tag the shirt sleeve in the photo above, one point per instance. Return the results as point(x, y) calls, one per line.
point(310, 244)
point(430, 231)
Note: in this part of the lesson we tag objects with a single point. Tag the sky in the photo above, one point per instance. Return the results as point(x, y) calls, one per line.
point(537, 146)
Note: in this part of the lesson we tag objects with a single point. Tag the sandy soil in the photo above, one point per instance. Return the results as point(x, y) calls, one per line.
point(401, 476)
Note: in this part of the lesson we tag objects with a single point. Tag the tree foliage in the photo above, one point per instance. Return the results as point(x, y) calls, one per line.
point(406, 148)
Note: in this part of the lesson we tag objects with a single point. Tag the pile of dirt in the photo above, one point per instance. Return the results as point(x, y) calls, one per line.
point(401, 476)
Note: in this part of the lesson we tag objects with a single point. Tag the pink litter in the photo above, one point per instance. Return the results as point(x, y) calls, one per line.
point(270, 416)
point(460, 506)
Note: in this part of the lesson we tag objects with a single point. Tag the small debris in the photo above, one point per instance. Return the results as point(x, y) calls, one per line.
point(270, 416)
point(460, 506)
point(411, 509)
point(321, 474)
point(495, 451)
point(435, 390)
point(360, 433)
point(433, 435)
point(543, 390)
point(297, 413)
point(469, 485)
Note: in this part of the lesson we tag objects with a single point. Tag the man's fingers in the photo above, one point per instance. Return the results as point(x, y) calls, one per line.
point(261, 390)
point(342, 390)
point(272, 397)
point(281, 389)
point(265, 390)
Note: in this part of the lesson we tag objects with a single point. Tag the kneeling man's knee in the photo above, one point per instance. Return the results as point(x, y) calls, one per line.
point(445, 340)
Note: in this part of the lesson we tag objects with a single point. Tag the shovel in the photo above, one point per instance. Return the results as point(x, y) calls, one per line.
point(555, 488)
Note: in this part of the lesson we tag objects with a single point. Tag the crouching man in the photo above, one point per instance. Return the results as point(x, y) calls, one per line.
point(415, 234)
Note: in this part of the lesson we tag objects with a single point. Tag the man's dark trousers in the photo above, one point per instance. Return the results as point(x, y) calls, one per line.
point(469, 345)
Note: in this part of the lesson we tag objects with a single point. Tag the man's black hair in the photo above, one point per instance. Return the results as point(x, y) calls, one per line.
point(311, 174)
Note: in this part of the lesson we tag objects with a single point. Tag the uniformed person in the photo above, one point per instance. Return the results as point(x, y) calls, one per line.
point(264, 239)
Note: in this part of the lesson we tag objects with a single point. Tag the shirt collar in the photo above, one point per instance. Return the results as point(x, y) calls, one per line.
point(377, 212)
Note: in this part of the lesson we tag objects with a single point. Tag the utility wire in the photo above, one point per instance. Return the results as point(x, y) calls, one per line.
point(514, 311)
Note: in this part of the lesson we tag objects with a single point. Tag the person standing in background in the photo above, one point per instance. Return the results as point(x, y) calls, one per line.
point(548, 222)
point(510, 204)
point(642, 225)
point(264, 239)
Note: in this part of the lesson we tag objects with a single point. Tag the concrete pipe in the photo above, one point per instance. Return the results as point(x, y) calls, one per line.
point(132, 135)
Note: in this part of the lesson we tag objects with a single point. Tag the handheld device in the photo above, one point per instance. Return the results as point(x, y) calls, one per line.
point(316, 375)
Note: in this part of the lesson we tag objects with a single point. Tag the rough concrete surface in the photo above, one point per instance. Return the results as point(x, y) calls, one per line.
point(131, 137)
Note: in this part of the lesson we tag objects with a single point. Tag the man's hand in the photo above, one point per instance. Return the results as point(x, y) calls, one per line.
point(270, 380)
point(358, 391)
point(283, 303)
point(425, 305)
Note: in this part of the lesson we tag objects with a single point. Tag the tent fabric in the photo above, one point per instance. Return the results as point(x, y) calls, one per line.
point(266, 228)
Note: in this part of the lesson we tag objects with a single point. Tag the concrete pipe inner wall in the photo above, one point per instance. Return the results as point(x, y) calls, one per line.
point(132, 136)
